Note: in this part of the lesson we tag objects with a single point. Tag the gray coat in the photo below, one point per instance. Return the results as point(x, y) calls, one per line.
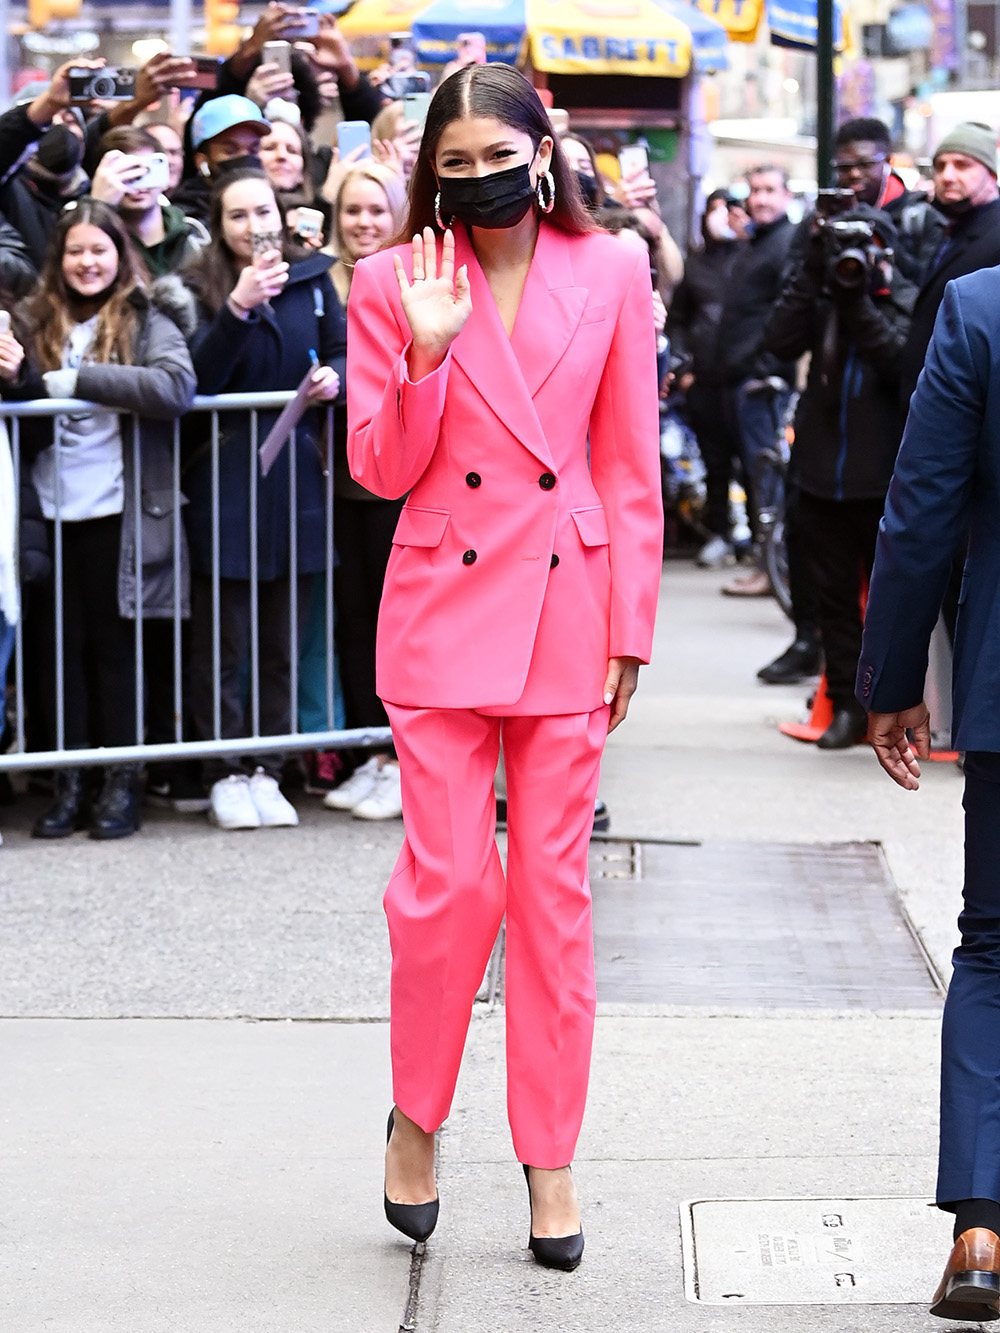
point(157, 388)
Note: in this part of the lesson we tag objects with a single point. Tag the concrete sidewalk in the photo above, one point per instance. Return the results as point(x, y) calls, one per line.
point(178, 1156)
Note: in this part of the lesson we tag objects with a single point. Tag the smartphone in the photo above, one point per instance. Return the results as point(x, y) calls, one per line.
point(4, 321)
point(278, 53)
point(263, 241)
point(471, 47)
point(205, 76)
point(309, 224)
point(351, 133)
point(302, 23)
point(401, 54)
point(155, 177)
point(415, 107)
point(831, 202)
point(633, 160)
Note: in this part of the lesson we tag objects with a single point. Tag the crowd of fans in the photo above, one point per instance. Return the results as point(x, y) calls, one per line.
point(846, 300)
point(152, 249)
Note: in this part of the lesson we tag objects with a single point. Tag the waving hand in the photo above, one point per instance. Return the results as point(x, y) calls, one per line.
point(436, 304)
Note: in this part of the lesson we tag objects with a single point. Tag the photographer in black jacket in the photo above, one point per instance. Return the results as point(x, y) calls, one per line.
point(849, 306)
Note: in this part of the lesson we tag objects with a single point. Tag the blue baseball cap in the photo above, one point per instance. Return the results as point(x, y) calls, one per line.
point(223, 113)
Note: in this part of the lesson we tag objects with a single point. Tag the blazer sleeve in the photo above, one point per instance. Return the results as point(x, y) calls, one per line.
point(625, 467)
point(927, 510)
point(393, 424)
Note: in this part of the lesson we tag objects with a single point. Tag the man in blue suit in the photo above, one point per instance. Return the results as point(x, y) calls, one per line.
point(946, 490)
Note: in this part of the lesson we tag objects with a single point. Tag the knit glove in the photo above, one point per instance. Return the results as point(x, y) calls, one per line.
point(60, 383)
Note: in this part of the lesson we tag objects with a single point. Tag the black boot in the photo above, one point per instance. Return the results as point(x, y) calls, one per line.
point(116, 814)
point(798, 662)
point(849, 727)
point(68, 812)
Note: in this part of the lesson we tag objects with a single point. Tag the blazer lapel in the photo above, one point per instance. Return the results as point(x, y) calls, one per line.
point(550, 310)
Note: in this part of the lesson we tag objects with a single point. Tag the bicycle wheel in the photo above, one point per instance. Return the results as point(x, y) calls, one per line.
point(769, 488)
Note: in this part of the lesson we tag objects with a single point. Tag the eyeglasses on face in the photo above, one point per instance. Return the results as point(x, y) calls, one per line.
point(845, 167)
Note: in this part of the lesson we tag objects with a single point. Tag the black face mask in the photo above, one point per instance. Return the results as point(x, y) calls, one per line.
point(495, 201)
point(59, 150)
point(235, 163)
point(588, 188)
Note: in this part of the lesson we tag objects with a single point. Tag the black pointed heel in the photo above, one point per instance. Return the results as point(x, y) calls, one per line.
point(416, 1220)
point(562, 1252)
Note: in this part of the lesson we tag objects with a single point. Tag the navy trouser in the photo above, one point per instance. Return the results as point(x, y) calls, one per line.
point(969, 1160)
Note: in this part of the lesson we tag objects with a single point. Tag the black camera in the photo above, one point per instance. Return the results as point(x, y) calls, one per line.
point(113, 83)
point(852, 252)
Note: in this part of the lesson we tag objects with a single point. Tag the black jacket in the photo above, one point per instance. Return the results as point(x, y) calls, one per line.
point(754, 283)
point(697, 305)
point(974, 244)
point(270, 350)
point(847, 428)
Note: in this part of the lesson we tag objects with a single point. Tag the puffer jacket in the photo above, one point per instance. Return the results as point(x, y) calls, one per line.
point(156, 389)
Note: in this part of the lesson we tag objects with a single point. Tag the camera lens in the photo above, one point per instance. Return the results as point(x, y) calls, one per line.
point(102, 85)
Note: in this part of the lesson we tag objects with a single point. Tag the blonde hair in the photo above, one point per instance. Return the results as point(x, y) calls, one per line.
point(394, 190)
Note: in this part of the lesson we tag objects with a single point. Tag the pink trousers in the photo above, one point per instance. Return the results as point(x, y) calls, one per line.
point(447, 897)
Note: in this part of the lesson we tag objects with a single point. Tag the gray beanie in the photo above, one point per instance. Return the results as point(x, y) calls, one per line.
point(975, 140)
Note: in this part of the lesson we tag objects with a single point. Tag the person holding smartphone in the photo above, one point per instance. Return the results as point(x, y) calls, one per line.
point(263, 315)
point(165, 237)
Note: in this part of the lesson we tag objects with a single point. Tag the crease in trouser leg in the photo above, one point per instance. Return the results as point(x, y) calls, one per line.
point(553, 770)
point(444, 902)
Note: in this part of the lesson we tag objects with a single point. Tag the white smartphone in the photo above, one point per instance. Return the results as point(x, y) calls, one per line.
point(633, 160)
point(278, 53)
point(415, 107)
point(4, 321)
point(309, 224)
point(351, 134)
point(157, 173)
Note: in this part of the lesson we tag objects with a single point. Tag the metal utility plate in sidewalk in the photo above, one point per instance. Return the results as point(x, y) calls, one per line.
point(877, 1251)
point(753, 925)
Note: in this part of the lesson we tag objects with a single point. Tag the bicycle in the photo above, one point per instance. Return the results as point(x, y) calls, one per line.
point(770, 473)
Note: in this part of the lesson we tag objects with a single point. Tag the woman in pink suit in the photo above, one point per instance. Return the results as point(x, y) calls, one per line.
point(503, 373)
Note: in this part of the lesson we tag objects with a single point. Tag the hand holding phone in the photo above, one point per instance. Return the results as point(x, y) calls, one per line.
point(352, 134)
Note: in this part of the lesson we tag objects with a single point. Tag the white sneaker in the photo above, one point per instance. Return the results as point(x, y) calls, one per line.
point(715, 553)
point(273, 811)
point(232, 805)
point(360, 784)
point(385, 800)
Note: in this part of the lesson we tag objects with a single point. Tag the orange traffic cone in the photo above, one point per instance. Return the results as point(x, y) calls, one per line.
point(820, 717)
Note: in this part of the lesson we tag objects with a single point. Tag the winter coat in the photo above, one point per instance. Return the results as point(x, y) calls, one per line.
point(17, 273)
point(157, 388)
point(847, 427)
point(269, 350)
point(755, 281)
point(974, 244)
point(696, 310)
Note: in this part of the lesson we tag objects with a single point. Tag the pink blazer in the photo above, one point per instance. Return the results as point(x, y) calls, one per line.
point(518, 567)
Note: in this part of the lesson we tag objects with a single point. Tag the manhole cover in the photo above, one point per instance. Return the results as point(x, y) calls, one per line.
point(753, 925)
point(813, 1251)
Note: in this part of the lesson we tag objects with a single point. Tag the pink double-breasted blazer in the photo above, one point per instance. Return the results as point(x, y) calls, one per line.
point(520, 563)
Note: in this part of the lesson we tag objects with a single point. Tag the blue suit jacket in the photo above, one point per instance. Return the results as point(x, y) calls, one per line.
point(946, 486)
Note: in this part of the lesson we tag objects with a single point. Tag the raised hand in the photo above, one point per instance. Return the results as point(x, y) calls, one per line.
point(261, 280)
point(436, 304)
point(11, 356)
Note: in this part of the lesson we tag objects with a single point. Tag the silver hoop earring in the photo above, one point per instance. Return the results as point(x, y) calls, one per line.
point(437, 211)
point(546, 204)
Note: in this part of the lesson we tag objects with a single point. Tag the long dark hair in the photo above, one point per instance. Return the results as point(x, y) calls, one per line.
point(502, 93)
point(213, 272)
point(50, 308)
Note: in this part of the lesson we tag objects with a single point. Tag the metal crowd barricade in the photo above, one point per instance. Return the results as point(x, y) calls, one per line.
point(185, 747)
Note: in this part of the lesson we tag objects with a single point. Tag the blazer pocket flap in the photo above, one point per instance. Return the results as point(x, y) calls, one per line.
point(593, 314)
point(420, 527)
point(592, 525)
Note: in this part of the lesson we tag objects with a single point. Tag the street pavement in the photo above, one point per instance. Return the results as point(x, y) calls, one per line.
point(194, 1056)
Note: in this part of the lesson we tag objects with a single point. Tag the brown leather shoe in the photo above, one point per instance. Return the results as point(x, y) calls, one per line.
point(753, 584)
point(970, 1288)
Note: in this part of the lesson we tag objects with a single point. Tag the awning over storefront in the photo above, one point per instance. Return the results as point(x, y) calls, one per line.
point(790, 22)
point(645, 37)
